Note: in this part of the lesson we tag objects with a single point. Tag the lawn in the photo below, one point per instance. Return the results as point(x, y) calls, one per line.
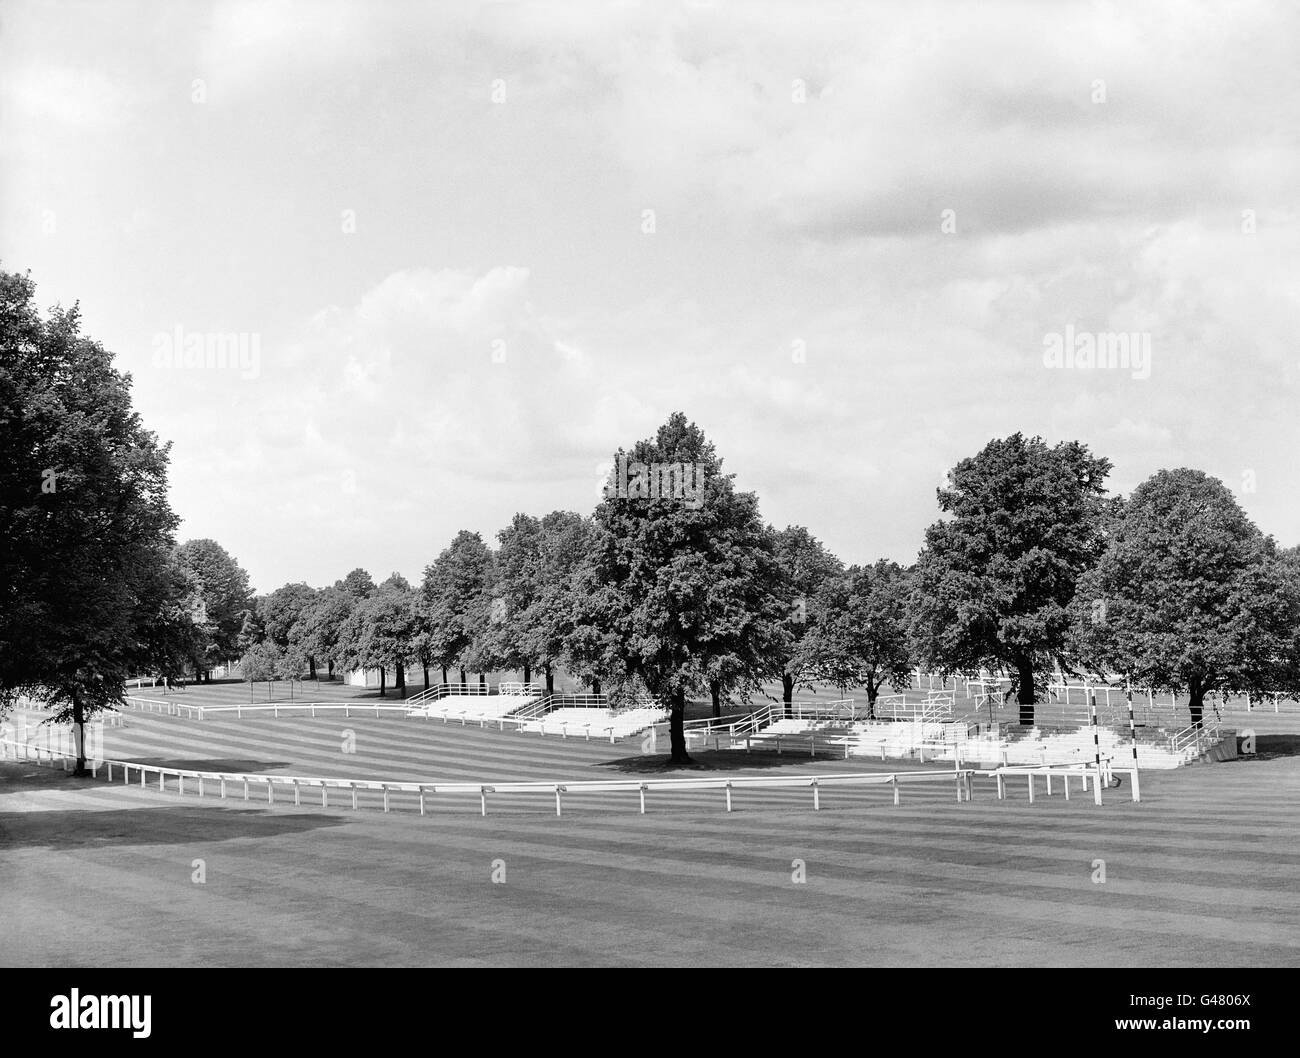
point(1202, 873)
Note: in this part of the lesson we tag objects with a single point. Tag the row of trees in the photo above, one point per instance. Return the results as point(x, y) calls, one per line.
point(1030, 565)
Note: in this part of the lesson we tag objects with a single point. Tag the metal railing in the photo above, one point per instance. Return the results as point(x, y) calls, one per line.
point(1189, 740)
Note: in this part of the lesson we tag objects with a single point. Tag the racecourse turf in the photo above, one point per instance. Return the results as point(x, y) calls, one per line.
point(1202, 873)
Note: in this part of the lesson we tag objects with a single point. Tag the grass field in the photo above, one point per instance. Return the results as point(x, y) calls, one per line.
point(1202, 873)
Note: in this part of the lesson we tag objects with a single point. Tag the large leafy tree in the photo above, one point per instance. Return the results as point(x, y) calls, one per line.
point(286, 619)
point(860, 635)
point(673, 582)
point(223, 586)
point(550, 624)
point(1190, 596)
point(379, 634)
point(519, 583)
point(994, 583)
point(90, 591)
point(457, 597)
point(805, 566)
point(358, 584)
point(324, 622)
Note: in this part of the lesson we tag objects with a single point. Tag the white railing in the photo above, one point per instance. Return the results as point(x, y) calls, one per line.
point(311, 708)
point(223, 780)
point(1191, 737)
point(840, 709)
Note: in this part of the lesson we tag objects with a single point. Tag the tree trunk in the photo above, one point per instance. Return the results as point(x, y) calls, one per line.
point(401, 679)
point(331, 670)
point(482, 680)
point(787, 693)
point(462, 677)
point(1025, 692)
point(383, 676)
point(79, 733)
point(676, 731)
point(444, 674)
point(550, 678)
point(873, 692)
point(715, 690)
point(595, 685)
point(311, 669)
point(1197, 703)
point(528, 673)
point(426, 676)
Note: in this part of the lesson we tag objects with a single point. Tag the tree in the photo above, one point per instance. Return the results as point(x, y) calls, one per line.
point(357, 584)
point(251, 631)
point(89, 589)
point(550, 625)
point(805, 566)
point(518, 568)
point(681, 571)
point(456, 592)
point(223, 585)
point(324, 622)
point(379, 633)
point(1189, 595)
point(860, 634)
point(285, 616)
point(993, 585)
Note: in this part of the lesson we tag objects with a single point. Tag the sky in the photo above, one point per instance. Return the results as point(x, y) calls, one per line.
point(384, 271)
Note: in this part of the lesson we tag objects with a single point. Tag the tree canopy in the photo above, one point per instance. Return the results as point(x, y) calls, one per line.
point(993, 585)
point(1189, 595)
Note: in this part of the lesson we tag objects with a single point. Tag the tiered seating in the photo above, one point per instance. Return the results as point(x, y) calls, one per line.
point(586, 722)
point(471, 708)
point(930, 740)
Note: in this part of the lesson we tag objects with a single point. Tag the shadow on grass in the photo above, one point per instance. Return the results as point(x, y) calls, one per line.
point(181, 825)
point(1272, 747)
point(712, 761)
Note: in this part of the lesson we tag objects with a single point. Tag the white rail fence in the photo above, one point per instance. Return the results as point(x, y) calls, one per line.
point(221, 783)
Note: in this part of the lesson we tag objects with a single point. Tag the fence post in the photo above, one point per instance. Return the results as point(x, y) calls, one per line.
point(482, 793)
point(245, 789)
point(728, 789)
point(642, 791)
point(894, 780)
point(558, 790)
point(180, 784)
point(270, 792)
point(1132, 734)
point(817, 801)
point(1096, 746)
point(421, 800)
point(297, 794)
point(200, 785)
point(353, 787)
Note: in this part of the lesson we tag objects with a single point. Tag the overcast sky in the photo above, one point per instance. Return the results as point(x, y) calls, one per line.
point(430, 223)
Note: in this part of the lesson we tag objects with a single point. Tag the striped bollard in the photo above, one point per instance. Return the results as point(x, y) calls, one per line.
point(1132, 734)
point(1096, 746)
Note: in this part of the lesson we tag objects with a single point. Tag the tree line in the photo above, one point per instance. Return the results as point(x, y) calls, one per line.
point(1030, 565)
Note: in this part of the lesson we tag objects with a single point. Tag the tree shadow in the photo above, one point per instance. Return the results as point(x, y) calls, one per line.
point(1272, 747)
point(179, 825)
point(714, 761)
